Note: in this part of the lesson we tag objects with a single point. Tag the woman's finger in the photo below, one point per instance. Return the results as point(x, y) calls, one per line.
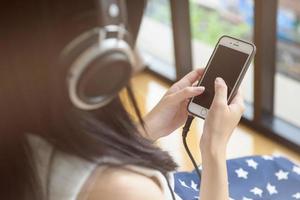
point(186, 93)
point(195, 83)
point(237, 103)
point(238, 98)
point(190, 78)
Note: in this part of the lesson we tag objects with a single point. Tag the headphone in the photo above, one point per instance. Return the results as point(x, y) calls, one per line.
point(100, 61)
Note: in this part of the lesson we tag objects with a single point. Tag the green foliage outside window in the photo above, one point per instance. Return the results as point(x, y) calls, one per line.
point(207, 25)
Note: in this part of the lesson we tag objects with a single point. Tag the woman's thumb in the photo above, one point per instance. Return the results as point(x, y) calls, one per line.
point(220, 91)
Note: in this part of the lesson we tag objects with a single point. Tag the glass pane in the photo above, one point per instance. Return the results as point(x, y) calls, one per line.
point(156, 37)
point(212, 19)
point(287, 79)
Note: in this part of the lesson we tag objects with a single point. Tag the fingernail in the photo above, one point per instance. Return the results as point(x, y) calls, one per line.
point(219, 80)
point(200, 89)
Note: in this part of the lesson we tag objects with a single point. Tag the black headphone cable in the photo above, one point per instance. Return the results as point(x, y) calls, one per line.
point(185, 131)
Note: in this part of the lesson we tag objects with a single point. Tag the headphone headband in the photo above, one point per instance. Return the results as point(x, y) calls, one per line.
point(112, 12)
point(122, 33)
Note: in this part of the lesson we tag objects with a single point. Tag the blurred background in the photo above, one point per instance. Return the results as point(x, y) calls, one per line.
point(178, 36)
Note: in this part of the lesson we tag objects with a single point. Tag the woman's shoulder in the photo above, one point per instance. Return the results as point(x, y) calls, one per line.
point(121, 183)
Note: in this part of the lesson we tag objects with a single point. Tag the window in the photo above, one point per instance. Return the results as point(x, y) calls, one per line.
point(156, 38)
point(287, 78)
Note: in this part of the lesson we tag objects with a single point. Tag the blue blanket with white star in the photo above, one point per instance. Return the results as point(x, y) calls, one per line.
point(250, 178)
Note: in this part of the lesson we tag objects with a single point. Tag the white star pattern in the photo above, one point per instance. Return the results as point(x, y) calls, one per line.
point(297, 195)
point(271, 189)
point(266, 157)
point(241, 173)
point(252, 163)
point(257, 191)
point(245, 198)
point(282, 175)
point(194, 185)
point(296, 170)
point(183, 183)
point(250, 178)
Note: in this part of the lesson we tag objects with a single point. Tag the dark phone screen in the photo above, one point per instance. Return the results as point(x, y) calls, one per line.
point(227, 63)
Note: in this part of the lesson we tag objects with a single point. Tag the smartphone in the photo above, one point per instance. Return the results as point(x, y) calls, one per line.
point(230, 61)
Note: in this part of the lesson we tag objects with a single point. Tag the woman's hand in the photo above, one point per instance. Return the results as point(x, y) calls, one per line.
point(218, 127)
point(221, 120)
point(171, 111)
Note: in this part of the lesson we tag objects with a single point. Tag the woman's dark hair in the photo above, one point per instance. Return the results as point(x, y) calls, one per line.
point(33, 98)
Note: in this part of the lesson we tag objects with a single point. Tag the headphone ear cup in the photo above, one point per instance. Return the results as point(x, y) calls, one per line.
point(96, 71)
point(104, 77)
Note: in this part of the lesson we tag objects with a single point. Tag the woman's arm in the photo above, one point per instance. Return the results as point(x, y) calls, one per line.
point(214, 178)
point(218, 127)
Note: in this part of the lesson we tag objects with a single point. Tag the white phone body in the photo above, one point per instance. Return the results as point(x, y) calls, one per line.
point(248, 48)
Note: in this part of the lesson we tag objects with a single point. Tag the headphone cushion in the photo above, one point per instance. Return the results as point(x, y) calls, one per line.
point(104, 77)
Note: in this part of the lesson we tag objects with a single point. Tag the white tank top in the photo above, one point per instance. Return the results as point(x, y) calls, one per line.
point(64, 178)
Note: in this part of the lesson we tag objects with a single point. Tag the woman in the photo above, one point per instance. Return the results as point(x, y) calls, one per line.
point(50, 150)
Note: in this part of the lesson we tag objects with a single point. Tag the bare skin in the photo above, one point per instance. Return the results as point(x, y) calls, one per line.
point(117, 183)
